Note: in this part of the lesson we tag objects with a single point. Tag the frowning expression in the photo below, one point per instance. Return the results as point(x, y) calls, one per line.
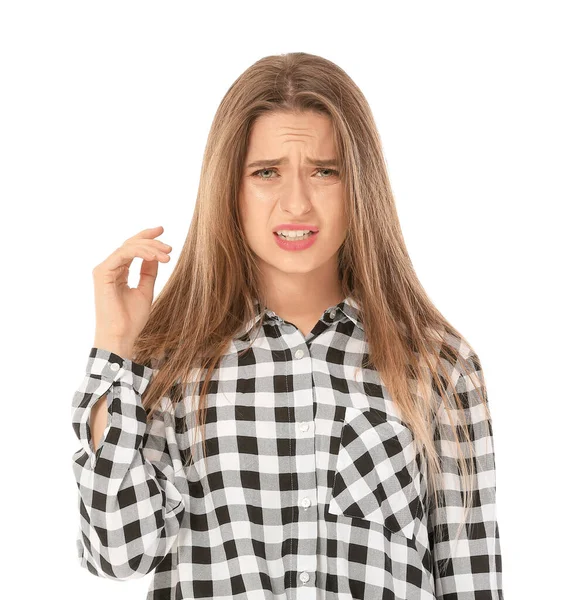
point(291, 176)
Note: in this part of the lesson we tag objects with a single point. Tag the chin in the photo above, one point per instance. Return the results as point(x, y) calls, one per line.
point(294, 265)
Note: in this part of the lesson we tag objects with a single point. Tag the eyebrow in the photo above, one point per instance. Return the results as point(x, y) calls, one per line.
point(317, 162)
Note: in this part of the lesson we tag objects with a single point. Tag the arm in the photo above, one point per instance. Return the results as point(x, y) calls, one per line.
point(98, 420)
point(473, 564)
point(130, 509)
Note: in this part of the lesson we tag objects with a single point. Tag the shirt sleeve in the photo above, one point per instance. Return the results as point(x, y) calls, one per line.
point(473, 568)
point(129, 507)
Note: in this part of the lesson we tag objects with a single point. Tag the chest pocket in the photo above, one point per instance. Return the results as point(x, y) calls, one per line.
point(377, 474)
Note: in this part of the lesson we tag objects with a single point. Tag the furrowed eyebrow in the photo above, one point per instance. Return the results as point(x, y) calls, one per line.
point(271, 162)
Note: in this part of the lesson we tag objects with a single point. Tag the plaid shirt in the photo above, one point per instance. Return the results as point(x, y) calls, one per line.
point(310, 487)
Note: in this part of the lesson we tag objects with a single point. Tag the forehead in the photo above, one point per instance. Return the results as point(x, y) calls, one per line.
point(278, 127)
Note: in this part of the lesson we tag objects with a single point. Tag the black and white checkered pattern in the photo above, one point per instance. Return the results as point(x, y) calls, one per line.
point(311, 486)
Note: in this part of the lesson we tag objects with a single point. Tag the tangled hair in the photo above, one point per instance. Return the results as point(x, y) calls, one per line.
point(215, 287)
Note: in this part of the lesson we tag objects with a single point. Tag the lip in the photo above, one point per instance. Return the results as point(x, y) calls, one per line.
point(295, 245)
point(295, 227)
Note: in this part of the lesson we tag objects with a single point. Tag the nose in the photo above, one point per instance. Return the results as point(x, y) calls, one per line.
point(295, 197)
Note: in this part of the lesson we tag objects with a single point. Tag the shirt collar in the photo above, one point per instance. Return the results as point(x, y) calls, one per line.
point(349, 307)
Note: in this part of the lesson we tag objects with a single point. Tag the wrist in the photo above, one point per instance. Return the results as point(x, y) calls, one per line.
point(122, 349)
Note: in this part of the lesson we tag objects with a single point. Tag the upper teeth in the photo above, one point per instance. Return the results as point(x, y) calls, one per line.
point(289, 233)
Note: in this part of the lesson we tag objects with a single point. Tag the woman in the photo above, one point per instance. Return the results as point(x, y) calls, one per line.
point(291, 411)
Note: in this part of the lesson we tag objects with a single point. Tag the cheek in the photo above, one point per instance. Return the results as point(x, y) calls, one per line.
point(338, 220)
point(254, 219)
point(246, 210)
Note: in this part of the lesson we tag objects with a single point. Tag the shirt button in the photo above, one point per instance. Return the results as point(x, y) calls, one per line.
point(305, 502)
point(304, 576)
point(332, 314)
point(114, 366)
point(304, 426)
point(299, 353)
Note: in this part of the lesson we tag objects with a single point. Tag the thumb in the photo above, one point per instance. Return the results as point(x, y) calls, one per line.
point(147, 277)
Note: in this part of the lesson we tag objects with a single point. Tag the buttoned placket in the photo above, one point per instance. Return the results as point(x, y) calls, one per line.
point(110, 373)
point(305, 436)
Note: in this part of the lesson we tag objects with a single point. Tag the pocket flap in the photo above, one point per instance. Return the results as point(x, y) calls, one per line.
point(377, 475)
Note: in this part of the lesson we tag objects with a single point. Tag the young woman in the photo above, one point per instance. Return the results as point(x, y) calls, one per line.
point(291, 411)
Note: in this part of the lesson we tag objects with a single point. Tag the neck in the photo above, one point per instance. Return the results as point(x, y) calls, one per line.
point(302, 295)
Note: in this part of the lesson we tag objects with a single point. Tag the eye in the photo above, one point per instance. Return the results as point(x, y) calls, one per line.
point(331, 170)
point(262, 171)
point(256, 173)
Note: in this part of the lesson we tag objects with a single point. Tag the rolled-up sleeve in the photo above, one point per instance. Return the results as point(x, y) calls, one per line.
point(471, 568)
point(130, 509)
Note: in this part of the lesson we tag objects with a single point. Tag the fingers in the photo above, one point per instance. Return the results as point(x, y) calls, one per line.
point(147, 277)
point(150, 233)
point(155, 250)
point(146, 248)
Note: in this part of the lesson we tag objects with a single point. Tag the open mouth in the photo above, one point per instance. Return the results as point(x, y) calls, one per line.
point(295, 239)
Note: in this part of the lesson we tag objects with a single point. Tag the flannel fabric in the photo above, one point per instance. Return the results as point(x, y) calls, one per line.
point(311, 487)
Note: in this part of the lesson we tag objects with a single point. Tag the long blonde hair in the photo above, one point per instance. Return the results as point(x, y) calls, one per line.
point(209, 296)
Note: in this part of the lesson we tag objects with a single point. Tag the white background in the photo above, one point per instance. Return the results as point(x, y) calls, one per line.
point(104, 113)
